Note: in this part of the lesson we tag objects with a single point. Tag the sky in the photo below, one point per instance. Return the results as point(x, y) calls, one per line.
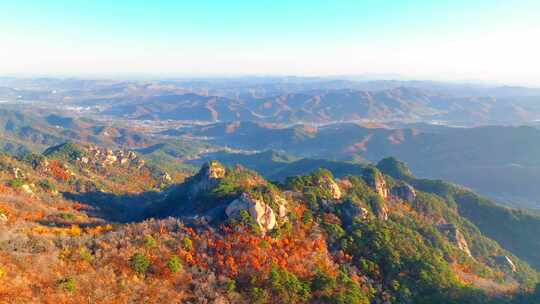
point(491, 40)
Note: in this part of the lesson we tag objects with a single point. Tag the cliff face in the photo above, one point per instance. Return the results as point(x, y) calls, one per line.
point(455, 237)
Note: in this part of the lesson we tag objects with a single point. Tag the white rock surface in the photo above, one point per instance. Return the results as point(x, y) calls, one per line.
point(262, 214)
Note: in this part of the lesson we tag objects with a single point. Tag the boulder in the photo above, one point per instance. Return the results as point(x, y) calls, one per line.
point(17, 173)
point(404, 191)
point(27, 188)
point(455, 237)
point(282, 211)
point(262, 214)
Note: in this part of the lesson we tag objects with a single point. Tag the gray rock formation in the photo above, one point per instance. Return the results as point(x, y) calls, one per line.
point(404, 191)
point(454, 236)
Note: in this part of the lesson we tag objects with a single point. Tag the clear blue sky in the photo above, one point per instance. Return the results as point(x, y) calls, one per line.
point(491, 40)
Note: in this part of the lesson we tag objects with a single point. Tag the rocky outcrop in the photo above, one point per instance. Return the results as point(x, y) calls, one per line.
point(165, 178)
point(505, 261)
point(454, 236)
point(208, 177)
point(213, 170)
point(282, 205)
point(404, 192)
point(261, 213)
point(108, 157)
point(3, 218)
point(329, 184)
point(335, 191)
point(375, 179)
point(18, 173)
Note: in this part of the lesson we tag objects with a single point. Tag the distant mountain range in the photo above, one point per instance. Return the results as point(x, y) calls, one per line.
point(286, 100)
point(325, 106)
point(502, 162)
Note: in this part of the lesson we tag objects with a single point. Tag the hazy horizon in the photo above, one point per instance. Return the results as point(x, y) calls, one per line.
point(484, 41)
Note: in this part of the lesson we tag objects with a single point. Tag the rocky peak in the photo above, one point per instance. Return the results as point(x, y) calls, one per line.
point(262, 213)
point(394, 168)
point(212, 170)
point(210, 174)
point(375, 179)
point(324, 180)
point(455, 236)
point(334, 189)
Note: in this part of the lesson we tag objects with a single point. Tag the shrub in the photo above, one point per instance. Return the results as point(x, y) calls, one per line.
point(230, 285)
point(174, 264)
point(67, 216)
point(187, 244)
point(288, 287)
point(16, 182)
point(85, 255)
point(247, 220)
point(150, 242)
point(307, 216)
point(67, 284)
point(258, 295)
point(324, 283)
point(47, 185)
point(139, 262)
